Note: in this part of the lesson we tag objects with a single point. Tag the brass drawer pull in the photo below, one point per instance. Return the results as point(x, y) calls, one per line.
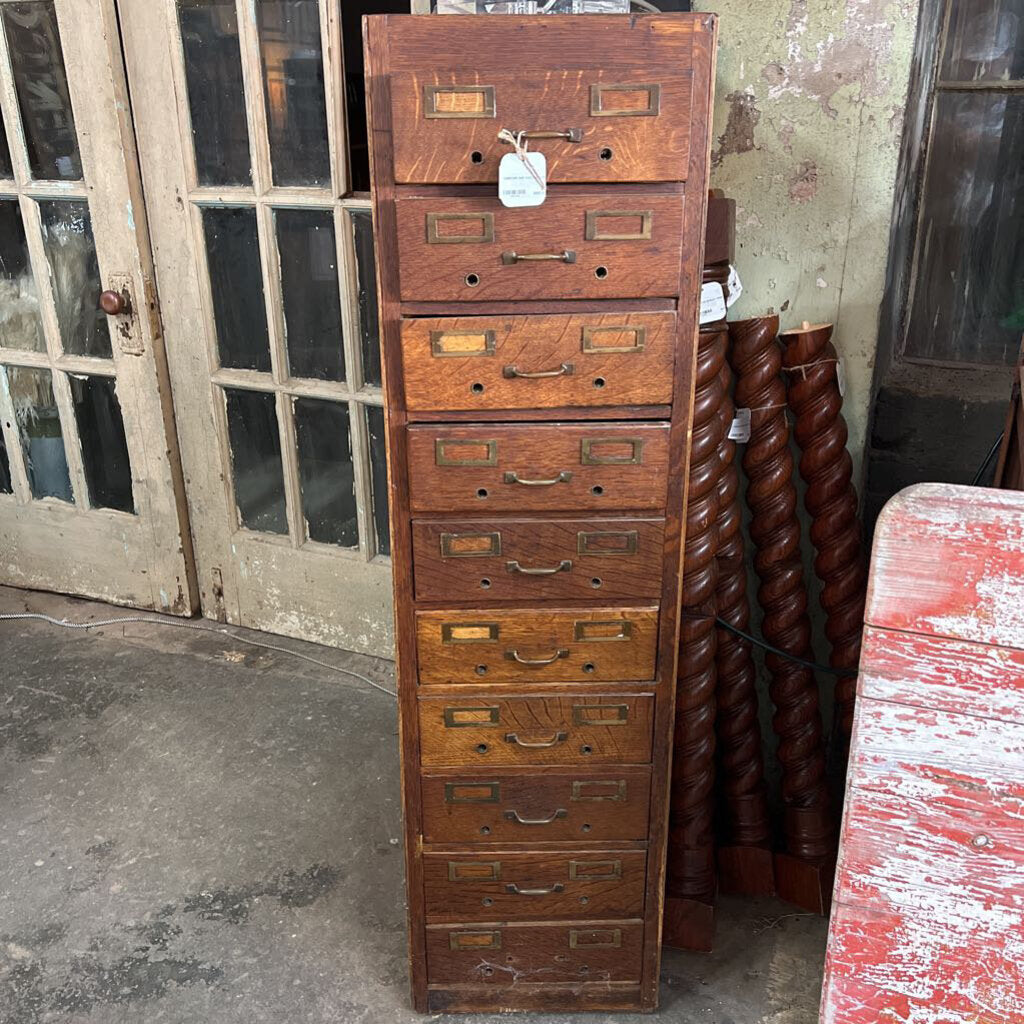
point(570, 135)
point(558, 815)
point(511, 372)
point(512, 477)
point(510, 258)
point(514, 655)
point(516, 891)
point(564, 566)
point(559, 737)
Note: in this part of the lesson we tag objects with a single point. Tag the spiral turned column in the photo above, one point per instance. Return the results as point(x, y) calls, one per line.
point(744, 855)
point(690, 882)
point(804, 871)
point(827, 469)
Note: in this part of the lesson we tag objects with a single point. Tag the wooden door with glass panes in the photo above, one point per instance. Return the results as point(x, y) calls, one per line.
point(90, 490)
point(265, 264)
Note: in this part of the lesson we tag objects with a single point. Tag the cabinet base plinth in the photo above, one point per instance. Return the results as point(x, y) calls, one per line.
point(536, 997)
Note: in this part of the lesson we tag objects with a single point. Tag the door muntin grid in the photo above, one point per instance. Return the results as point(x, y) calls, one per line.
point(63, 432)
point(285, 271)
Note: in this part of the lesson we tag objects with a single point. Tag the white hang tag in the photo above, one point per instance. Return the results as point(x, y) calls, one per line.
point(740, 427)
point(841, 377)
point(516, 185)
point(712, 302)
point(734, 286)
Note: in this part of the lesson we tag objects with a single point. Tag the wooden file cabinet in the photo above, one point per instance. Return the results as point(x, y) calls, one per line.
point(538, 417)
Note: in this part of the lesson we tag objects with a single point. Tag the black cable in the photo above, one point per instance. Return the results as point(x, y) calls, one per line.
point(813, 665)
point(988, 459)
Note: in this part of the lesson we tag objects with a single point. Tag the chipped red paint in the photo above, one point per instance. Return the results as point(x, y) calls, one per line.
point(928, 919)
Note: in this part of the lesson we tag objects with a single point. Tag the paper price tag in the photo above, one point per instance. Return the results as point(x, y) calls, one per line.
point(740, 428)
point(516, 185)
point(841, 377)
point(734, 286)
point(712, 302)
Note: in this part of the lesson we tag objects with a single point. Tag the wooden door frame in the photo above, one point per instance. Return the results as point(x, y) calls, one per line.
point(143, 560)
point(229, 557)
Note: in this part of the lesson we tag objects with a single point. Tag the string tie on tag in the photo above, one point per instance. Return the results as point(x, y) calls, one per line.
point(520, 144)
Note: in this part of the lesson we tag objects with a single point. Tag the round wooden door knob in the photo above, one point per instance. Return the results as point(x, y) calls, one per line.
point(114, 303)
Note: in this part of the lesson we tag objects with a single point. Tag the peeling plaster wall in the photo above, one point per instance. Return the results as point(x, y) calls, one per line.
point(808, 118)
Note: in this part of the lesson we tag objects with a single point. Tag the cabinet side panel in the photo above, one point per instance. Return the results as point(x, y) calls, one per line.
point(378, 102)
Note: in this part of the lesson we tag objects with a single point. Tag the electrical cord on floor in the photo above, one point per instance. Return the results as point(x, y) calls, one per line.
point(758, 642)
point(988, 459)
point(200, 627)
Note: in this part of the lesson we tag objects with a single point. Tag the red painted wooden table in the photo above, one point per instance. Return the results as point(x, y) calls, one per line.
point(928, 917)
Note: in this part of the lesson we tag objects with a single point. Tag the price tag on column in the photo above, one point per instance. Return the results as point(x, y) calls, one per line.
point(740, 428)
point(712, 302)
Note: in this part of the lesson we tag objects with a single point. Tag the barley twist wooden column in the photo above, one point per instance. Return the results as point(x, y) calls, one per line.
point(690, 883)
point(827, 469)
point(744, 854)
point(804, 871)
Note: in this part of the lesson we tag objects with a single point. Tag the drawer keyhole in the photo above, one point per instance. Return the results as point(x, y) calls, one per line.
point(474, 279)
point(597, 489)
point(601, 273)
point(478, 158)
point(606, 153)
point(477, 388)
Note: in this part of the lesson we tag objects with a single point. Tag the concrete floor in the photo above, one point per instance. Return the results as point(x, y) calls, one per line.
point(196, 831)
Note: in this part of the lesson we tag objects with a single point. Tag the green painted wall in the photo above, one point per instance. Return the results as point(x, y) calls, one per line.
point(808, 119)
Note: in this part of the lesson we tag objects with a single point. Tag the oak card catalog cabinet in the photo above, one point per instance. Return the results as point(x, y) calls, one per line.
point(539, 381)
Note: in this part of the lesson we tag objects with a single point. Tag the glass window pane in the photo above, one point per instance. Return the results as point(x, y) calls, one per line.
point(985, 41)
point(108, 471)
point(968, 298)
point(75, 273)
point(324, 441)
point(293, 84)
point(6, 486)
point(256, 460)
point(42, 86)
point(6, 169)
point(309, 286)
point(236, 281)
point(216, 97)
point(42, 440)
point(379, 477)
point(20, 326)
point(369, 325)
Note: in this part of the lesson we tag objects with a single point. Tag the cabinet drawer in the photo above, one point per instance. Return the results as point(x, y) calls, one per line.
point(604, 246)
point(622, 125)
point(538, 362)
point(508, 806)
point(534, 886)
point(579, 951)
point(527, 645)
point(537, 468)
point(509, 559)
point(537, 730)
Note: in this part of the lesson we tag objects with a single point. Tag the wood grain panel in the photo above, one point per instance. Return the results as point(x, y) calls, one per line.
point(622, 264)
point(613, 644)
point(550, 452)
point(639, 129)
point(908, 968)
point(502, 886)
point(476, 730)
point(921, 582)
point(946, 675)
point(535, 45)
point(577, 952)
point(558, 806)
point(933, 815)
point(477, 363)
point(463, 559)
